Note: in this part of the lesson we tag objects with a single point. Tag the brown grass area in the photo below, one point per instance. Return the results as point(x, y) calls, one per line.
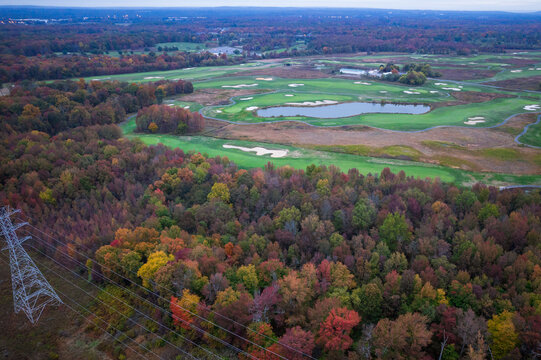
point(58, 332)
point(468, 97)
point(522, 83)
point(209, 97)
point(457, 73)
point(462, 147)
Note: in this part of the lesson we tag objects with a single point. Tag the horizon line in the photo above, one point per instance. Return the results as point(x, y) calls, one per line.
point(257, 7)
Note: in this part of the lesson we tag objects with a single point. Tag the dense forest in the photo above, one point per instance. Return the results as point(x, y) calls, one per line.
point(80, 45)
point(19, 67)
point(314, 262)
point(55, 107)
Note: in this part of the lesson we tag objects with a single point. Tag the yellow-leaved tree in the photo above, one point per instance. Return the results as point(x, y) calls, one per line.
point(155, 261)
point(219, 191)
point(502, 333)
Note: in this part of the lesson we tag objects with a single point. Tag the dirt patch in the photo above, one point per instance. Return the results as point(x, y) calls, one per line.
point(522, 83)
point(209, 97)
point(458, 73)
point(469, 97)
point(288, 72)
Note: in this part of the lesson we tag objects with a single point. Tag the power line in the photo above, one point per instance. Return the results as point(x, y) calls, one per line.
point(86, 319)
point(31, 291)
point(183, 308)
point(223, 342)
point(211, 311)
point(125, 303)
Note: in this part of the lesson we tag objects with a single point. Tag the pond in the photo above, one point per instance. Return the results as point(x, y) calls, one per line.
point(342, 110)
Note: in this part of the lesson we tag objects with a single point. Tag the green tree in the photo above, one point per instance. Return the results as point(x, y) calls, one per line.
point(367, 300)
point(364, 214)
point(395, 231)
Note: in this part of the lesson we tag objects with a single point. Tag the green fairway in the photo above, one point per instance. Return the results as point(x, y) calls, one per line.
point(300, 158)
point(244, 108)
point(192, 106)
point(356, 87)
point(182, 46)
point(203, 72)
point(508, 74)
point(533, 135)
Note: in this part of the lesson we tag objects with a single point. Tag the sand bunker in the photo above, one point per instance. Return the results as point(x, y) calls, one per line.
point(246, 98)
point(295, 85)
point(411, 92)
point(219, 111)
point(289, 95)
point(259, 151)
point(440, 84)
point(238, 86)
point(383, 91)
point(264, 79)
point(452, 89)
point(475, 120)
point(516, 71)
point(533, 107)
point(362, 83)
point(252, 108)
point(153, 77)
point(187, 107)
point(434, 91)
point(314, 103)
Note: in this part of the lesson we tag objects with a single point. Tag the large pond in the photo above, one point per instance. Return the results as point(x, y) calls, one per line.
point(342, 110)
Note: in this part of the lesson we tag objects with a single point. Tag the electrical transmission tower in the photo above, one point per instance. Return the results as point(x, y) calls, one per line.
point(31, 292)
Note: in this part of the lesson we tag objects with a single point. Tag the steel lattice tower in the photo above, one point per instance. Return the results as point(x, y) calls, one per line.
point(31, 291)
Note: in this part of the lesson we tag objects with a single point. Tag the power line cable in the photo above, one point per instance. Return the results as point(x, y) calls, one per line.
point(161, 297)
point(223, 342)
point(125, 303)
point(101, 328)
point(211, 311)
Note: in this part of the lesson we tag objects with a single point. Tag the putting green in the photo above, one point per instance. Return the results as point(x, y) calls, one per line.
point(300, 158)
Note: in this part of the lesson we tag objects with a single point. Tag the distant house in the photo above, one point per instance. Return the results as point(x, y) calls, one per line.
point(228, 50)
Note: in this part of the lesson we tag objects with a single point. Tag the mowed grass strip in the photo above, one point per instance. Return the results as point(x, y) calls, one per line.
point(203, 72)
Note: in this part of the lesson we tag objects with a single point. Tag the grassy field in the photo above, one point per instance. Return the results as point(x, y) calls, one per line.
point(493, 112)
point(533, 135)
point(300, 158)
point(183, 46)
point(203, 72)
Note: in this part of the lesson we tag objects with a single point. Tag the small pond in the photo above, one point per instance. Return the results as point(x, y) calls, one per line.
point(342, 110)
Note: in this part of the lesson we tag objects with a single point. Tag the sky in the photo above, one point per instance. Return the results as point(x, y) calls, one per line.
point(472, 5)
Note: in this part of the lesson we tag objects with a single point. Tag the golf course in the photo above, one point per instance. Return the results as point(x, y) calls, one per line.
point(469, 124)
